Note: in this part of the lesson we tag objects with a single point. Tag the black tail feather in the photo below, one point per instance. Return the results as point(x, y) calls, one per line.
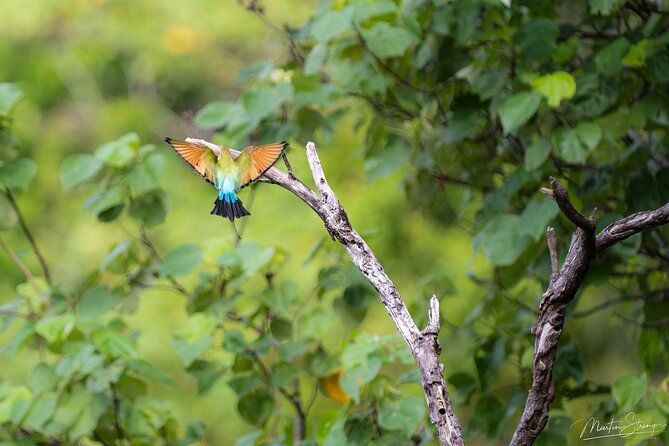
point(229, 210)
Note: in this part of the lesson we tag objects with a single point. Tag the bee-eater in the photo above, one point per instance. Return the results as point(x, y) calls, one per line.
point(229, 175)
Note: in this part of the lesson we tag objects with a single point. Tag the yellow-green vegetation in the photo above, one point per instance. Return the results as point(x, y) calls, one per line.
point(437, 123)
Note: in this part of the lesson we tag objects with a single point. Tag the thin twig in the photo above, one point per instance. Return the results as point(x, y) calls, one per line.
point(16, 260)
point(29, 236)
point(664, 294)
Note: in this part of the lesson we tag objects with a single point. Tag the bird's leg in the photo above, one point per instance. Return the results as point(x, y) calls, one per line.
point(290, 169)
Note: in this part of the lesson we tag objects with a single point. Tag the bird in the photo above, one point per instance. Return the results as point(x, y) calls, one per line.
point(229, 175)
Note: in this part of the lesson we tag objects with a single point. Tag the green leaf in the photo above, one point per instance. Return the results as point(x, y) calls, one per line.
point(149, 209)
point(351, 380)
point(150, 371)
point(283, 374)
point(55, 328)
point(516, 110)
point(17, 174)
point(119, 153)
point(536, 217)
point(221, 114)
point(537, 153)
point(110, 199)
point(14, 402)
point(315, 59)
point(605, 7)
point(41, 410)
point(256, 408)
point(575, 145)
point(628, 391)
point(636, 55)
point(96, 302)
point(206, 373)
point(328, 25)
point(248, 439)
point(78, 168)
point(114, 344)
point(504, 239)
point(141, 178)
point(608, 60)
point(42, 378)
point(386, 40)
point(264, 101)
point(555, 87)
point(181, 261)
point(403, 415)
point(233, 341)
point(10, 94)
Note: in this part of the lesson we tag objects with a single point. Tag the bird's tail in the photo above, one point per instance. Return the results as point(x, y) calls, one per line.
point(229, 207)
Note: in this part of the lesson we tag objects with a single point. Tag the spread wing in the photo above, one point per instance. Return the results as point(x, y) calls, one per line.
point(201, 159)
point(253, 161)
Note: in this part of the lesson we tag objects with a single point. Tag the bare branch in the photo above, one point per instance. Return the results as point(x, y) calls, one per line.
point(562, 199)
point(424, 345)
point(562, 289)
point(628, 226)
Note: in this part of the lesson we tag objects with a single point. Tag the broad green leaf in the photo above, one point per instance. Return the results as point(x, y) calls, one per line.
point(404, 414)
point(41, 410)
point(119, 153)
point(18, 174)
point(628, 391)
point(55, 328)
point(150, 371)
point(608, 60)
point(330, 24)
point(351, 380)
point(575, 145)
point(149, 209)
point(206, 373)
point(605, 7)
point(42, 378)
point(284, 374)
point(98, 203)
point(503, 239)
point(78, 168)
point(516, 110)
point(96, 302)
point(315, 59)
point(233, 341)
point(537, 153)
point(263, 101)
point(636, 55)
point(537, 216)
point(589, 134)
point(221, 114)
point(181, 261)
point(256, 408)
point(386, 40)
point(249, 439)
point(141, 178)
point(114, 344)
point(14, 403)
point(10, 94)
point(555, 87)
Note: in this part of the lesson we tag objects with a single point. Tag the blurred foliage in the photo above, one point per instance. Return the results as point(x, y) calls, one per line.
point(468, 105)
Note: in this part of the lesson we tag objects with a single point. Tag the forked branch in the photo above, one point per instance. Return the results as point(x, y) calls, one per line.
point(562, 288)
point(424, 344)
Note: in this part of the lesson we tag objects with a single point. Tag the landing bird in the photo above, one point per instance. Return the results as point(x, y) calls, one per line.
point(226, 174)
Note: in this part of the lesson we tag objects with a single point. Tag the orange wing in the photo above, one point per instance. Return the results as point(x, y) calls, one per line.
point(256, 160)
point(201, 159)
